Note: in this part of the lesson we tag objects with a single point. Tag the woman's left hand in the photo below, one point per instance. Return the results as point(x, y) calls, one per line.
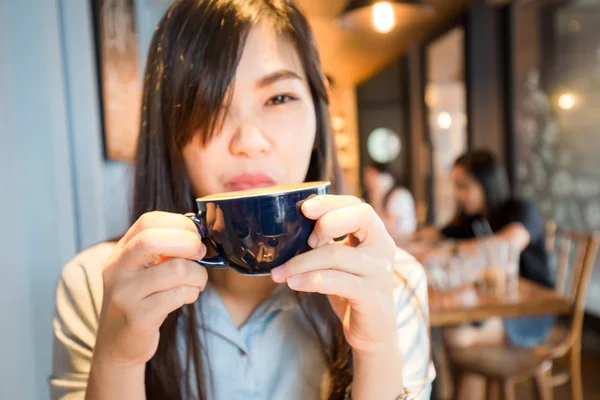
point(357, 274)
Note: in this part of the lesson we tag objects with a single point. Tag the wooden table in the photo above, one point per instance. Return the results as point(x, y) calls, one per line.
point(469, 306)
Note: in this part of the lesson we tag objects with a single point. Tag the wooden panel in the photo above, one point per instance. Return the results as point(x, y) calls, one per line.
point(421, 161)
point(344, 115)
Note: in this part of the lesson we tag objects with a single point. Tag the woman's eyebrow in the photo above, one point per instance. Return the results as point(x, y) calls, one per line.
point(276, 76)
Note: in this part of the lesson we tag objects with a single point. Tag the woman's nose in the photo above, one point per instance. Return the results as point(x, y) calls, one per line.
point(249, 142)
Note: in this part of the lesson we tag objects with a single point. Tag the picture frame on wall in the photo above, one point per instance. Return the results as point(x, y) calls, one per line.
point(119, 76)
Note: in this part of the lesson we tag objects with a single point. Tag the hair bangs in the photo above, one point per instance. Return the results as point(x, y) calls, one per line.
point(206, 43)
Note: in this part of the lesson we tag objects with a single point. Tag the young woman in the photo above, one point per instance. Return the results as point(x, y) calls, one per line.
point(234, 98)
point(393, 203)
point(482, 196)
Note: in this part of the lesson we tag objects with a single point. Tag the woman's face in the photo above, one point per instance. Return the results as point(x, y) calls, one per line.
point(269, 130)
point(469, 194)
point(370, 177)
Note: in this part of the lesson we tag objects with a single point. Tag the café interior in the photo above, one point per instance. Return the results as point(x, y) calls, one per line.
point(413, 86)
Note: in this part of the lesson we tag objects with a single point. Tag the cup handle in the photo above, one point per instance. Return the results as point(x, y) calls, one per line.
point(212, 262)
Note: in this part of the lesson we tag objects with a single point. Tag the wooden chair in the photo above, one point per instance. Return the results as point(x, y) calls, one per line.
point(574, 254)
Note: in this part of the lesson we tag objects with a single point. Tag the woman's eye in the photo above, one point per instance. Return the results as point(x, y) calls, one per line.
point(279, 99)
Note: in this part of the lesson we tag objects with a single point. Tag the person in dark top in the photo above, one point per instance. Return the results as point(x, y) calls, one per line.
point(483, 198)
point(486, 212)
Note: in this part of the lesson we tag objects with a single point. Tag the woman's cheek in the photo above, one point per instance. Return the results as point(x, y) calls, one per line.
point(296, 125)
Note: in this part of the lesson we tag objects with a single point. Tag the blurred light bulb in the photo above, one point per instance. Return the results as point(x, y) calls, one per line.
point(384, 18)
point(566, 101)
point(444, 120)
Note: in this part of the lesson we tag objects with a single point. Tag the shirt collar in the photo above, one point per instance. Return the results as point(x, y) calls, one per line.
point(215, 313)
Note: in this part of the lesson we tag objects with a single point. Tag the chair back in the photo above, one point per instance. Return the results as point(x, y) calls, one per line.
point(573, 254)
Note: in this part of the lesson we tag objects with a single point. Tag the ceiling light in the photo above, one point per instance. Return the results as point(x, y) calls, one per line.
point(383, 16)
point(567, 101)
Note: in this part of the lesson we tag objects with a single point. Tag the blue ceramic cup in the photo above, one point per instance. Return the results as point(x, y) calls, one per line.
point(254, 231)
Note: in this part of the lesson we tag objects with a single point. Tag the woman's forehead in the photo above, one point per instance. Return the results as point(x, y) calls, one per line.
point(267, 51)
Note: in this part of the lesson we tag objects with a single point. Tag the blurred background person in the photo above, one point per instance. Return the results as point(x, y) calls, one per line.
point(393, 203)
point(488, 216)
point(485, 211)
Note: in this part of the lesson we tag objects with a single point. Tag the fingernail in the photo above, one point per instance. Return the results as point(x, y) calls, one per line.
point(310, 204)
point(278, 273)
point(294, 281)
point(313, 240)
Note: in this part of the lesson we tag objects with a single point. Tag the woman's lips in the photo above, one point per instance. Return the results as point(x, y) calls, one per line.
point(249, 181)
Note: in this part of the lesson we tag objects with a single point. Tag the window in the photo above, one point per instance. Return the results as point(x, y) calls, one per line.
point(556, 78)
point(445, 99)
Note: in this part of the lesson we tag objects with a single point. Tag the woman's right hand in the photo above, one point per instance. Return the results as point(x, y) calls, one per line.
point(148, 276)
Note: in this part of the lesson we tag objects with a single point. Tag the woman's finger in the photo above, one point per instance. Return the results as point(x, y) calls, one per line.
point(317, 206)
point(331, 282)
point(157, 220)
point(360, 220)
point(169, 274)
point(154, 309)
point(332, 257)
point(151, 244)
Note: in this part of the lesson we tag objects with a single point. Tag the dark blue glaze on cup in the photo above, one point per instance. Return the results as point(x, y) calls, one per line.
point(257, 230)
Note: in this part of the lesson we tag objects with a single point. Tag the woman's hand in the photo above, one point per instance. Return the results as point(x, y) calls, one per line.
point(428, 234)
point(358, 276)
point(148, 276)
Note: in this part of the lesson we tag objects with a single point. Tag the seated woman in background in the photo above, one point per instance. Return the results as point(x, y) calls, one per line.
point(393, 203)
point(482, 198)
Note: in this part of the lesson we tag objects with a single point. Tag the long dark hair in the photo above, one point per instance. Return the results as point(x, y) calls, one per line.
point(191, 67)
point(485, 168)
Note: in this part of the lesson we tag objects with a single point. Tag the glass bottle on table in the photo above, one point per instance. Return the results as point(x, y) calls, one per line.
point(500, 274)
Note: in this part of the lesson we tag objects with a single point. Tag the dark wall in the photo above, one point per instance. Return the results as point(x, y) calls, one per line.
point(486, 79)
point(381, 104)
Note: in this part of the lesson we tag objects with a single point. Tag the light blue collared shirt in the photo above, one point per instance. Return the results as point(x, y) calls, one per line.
point(275, 355)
